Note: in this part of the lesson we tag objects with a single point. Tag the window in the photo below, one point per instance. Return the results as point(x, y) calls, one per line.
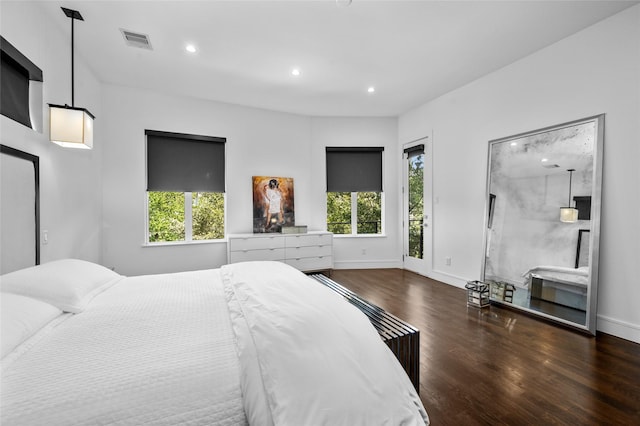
point(354, 190)
point(414, 201)
point(185, 187)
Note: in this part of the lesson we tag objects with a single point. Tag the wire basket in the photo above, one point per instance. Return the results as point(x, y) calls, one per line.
point(477, 294)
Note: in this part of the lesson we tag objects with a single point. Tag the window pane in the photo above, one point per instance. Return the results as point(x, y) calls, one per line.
point(208, 215)
point(416, 205)
point(369, 212)
point(166, 216)
point(339, 212)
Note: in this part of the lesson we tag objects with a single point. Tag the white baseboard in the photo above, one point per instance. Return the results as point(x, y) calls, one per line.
point(371, 264)
point(621, 329)
point(447, 278)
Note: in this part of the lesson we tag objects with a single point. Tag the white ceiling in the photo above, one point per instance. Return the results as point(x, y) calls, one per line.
point(411, 51)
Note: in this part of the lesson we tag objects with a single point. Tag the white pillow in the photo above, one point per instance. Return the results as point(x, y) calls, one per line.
point(21, 317)
point(68, 284)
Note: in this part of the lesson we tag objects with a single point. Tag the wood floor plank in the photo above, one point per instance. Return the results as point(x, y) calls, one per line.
point(499, 366)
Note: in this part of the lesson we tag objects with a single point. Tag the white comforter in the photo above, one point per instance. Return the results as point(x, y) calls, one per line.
point(319, 359)
point(258, 343)
point(156, 349)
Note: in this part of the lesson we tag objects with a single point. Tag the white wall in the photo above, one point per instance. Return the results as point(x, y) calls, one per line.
point(70, 180)
point(259, 142)
point(361, 251)
point(594, 71)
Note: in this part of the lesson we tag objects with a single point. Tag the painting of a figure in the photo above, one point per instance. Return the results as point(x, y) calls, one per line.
point(272, 203)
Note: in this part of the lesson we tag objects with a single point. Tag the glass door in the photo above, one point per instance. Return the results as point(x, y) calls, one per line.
point(415, 217)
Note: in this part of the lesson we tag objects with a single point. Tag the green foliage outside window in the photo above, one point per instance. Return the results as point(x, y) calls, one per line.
point(208, 215)
point(416, 205)
point(368, 211)
point(167, 216)
point(339, 212)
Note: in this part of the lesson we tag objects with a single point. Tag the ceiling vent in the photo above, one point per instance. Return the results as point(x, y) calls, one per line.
point(136, 39)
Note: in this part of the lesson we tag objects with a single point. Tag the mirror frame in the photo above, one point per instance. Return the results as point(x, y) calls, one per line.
point(594, 228)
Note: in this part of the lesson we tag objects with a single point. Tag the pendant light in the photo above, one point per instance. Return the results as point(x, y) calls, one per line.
point(569, 214)
point(71, 126)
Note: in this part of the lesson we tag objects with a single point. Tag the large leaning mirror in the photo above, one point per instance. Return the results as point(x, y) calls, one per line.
point(543, 221)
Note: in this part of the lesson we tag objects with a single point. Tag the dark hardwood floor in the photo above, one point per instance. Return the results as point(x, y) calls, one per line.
point(497, 366)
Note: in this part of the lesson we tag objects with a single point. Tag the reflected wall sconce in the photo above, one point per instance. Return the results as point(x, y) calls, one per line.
point(71, 126)
point(569, 214)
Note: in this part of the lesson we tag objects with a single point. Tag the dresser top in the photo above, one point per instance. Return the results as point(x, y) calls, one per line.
point(276, 234)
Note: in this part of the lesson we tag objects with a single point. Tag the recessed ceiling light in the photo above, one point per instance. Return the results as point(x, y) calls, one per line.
point(514, 143)
point(544, 160)
point(371, 89)
point(295, 71)
point(190, 48)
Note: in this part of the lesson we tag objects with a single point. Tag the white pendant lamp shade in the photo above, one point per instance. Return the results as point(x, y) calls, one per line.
point(568, 214)
point(70, 127)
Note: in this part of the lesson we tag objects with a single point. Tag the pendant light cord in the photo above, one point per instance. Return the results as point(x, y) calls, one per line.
point(570, 176)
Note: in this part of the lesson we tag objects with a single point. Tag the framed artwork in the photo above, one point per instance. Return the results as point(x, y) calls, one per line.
point(492, 205)
point(582, 250)
point(273, 205)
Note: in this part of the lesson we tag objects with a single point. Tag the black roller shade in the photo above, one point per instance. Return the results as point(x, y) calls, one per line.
point(15, 72)
point(179, 162)
point(414, 150)
point(355, 169)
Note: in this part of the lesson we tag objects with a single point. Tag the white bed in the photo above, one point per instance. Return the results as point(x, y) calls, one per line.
point(577, 277)
point(250, 343)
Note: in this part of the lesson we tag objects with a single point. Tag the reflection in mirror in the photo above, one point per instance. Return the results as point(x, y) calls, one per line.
point(543, 206)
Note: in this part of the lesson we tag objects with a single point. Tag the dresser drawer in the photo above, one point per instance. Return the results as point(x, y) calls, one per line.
point(261, 254)
point(311, 263)
point(251, 243)
point(309, 251)
point(305, 240)
point(306, 252)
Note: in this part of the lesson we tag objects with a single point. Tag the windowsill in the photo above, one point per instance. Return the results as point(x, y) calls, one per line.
point(359, 236)
point(184, 243)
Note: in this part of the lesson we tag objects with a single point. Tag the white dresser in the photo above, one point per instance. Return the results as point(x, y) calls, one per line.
point(312, 251)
